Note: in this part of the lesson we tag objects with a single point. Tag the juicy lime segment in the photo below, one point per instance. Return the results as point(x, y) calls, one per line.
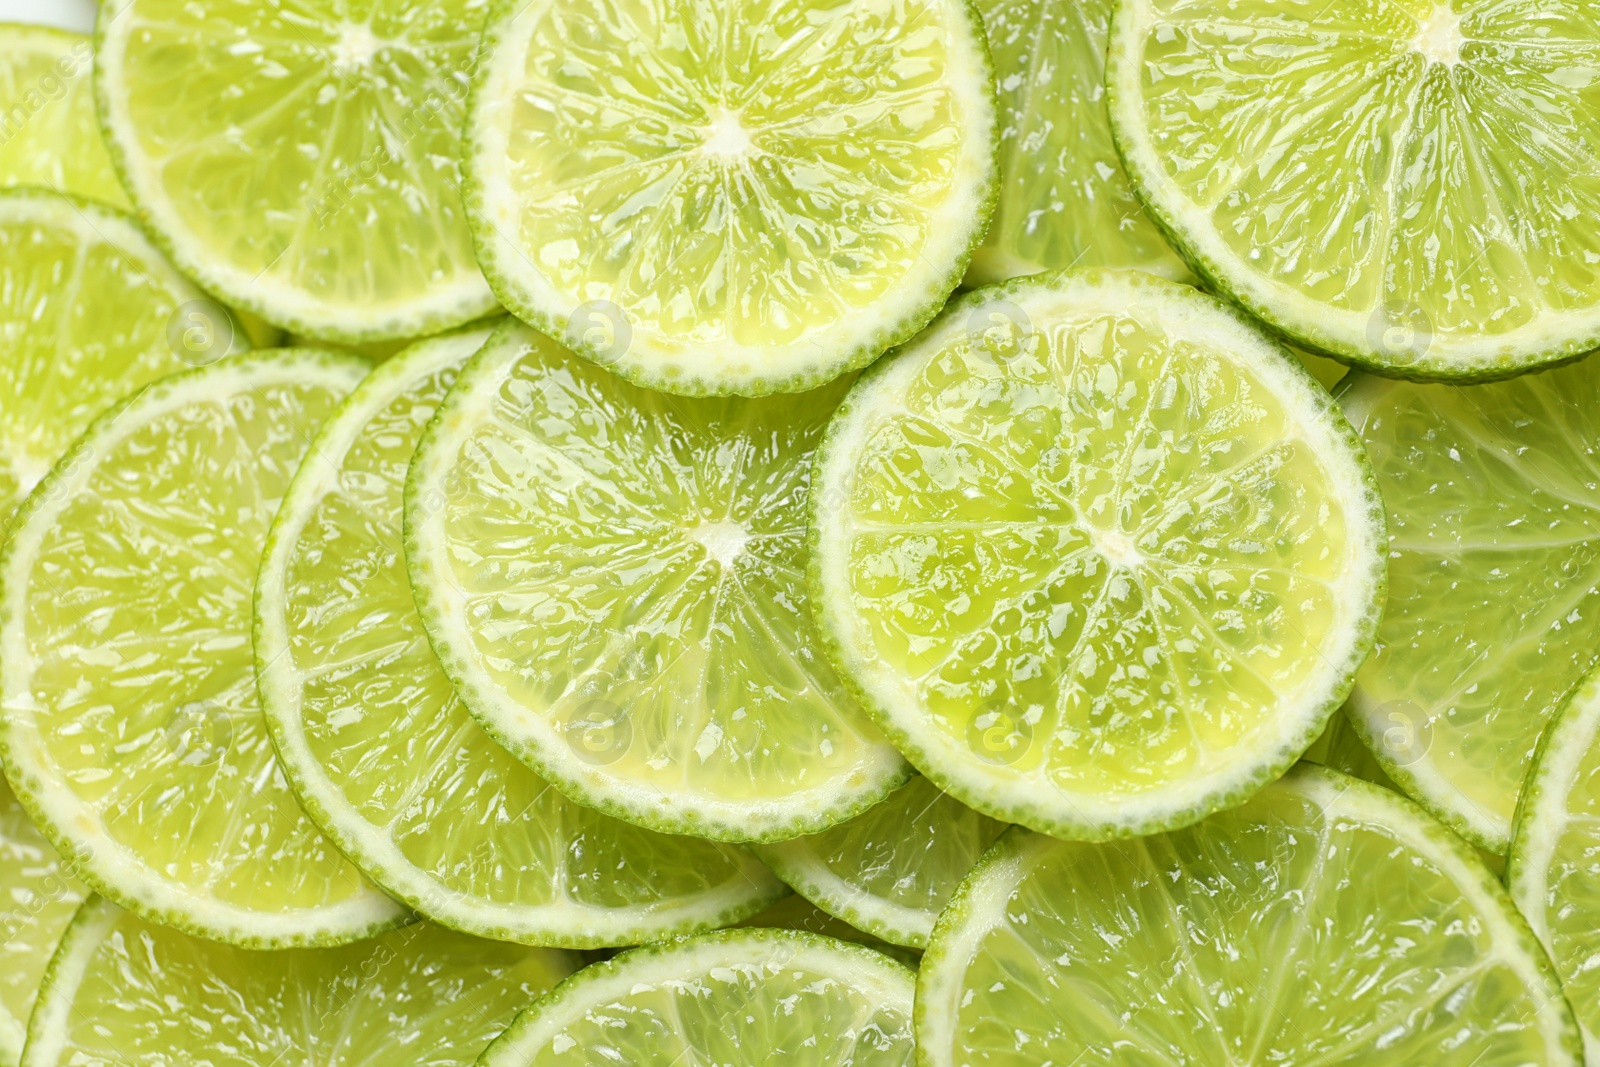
point(753, 197)
point(614, 579)
point(38, 898)
point(384, 756)
point(132, 730)
point(261, 142)
point(752, 996)
point(89, 312)
point(1405, 186)
point(49, 136)
point(1064, 198)
point(1552, 873)
point(1100, 557)
point(891, 869)
point(1494, 562)
point(124, 991)
point(1325, 922)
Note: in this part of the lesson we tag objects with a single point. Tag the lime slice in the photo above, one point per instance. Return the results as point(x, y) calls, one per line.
point(1100, 558)
point(38, 898)
point(1404, 186)
point(1494, 563)
point(49, 135)
point(740, 198)
point(131, 729)
point(1064, 198)
point(613, 578)
point(263, 144)
point(753, 996)
point(890, 870)
point(1551, 871)
point(89, 312)
point(1327, 922)
point(381, 752)
point(123, 991)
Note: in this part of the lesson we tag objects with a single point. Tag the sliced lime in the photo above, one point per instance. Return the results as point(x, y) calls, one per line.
point(1405, 186)
point(122, 991)
point(130, 728)
point(381, 752)
point(614, 579)
point(38, 897)
point(49, 136)
point(1100, 558)
point(738, 198)
point(891, 869)
point(750, 996)
point(301, 161)
point(1551, 871)
point(89, 312)
point(1494, 563)
point(1064, 198)
point(1326, 922)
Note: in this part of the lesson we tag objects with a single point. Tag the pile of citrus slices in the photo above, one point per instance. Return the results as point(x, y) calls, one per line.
point(573, 533)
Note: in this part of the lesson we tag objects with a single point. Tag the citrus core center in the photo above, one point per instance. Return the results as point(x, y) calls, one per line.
point(1117, 548)
point(356, 46)
point(725, 136)
point(1440, 38)
point(723, 541)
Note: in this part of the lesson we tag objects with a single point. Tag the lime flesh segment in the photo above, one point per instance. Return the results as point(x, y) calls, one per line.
point(746, 997)
point(741, 198)
point(1551, 871)
point(1327, 922)
point(49, 136)
point(132, 730)
point(124, 991)
point(1493, 614)
point(1064, 198)
point(38, 898)
point(1102, 571)
point(1403, 185)
point(614, 579)
point(384, 756)
point(891, 869)
point(263, 144)
point(86, 310)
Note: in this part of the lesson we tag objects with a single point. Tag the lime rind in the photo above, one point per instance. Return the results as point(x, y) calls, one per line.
point(38, 898)
point(1543, 813)
point(1282, 310)
point(293, 309)
point(839, 890)
point(566, 923)
point(987, 889)
point(110, 868)
point(883, 982)
point(1365, 514)
point(526, 293)
point(441, 604)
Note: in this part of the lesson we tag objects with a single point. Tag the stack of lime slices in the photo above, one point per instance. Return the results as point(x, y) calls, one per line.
point(353, 694)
